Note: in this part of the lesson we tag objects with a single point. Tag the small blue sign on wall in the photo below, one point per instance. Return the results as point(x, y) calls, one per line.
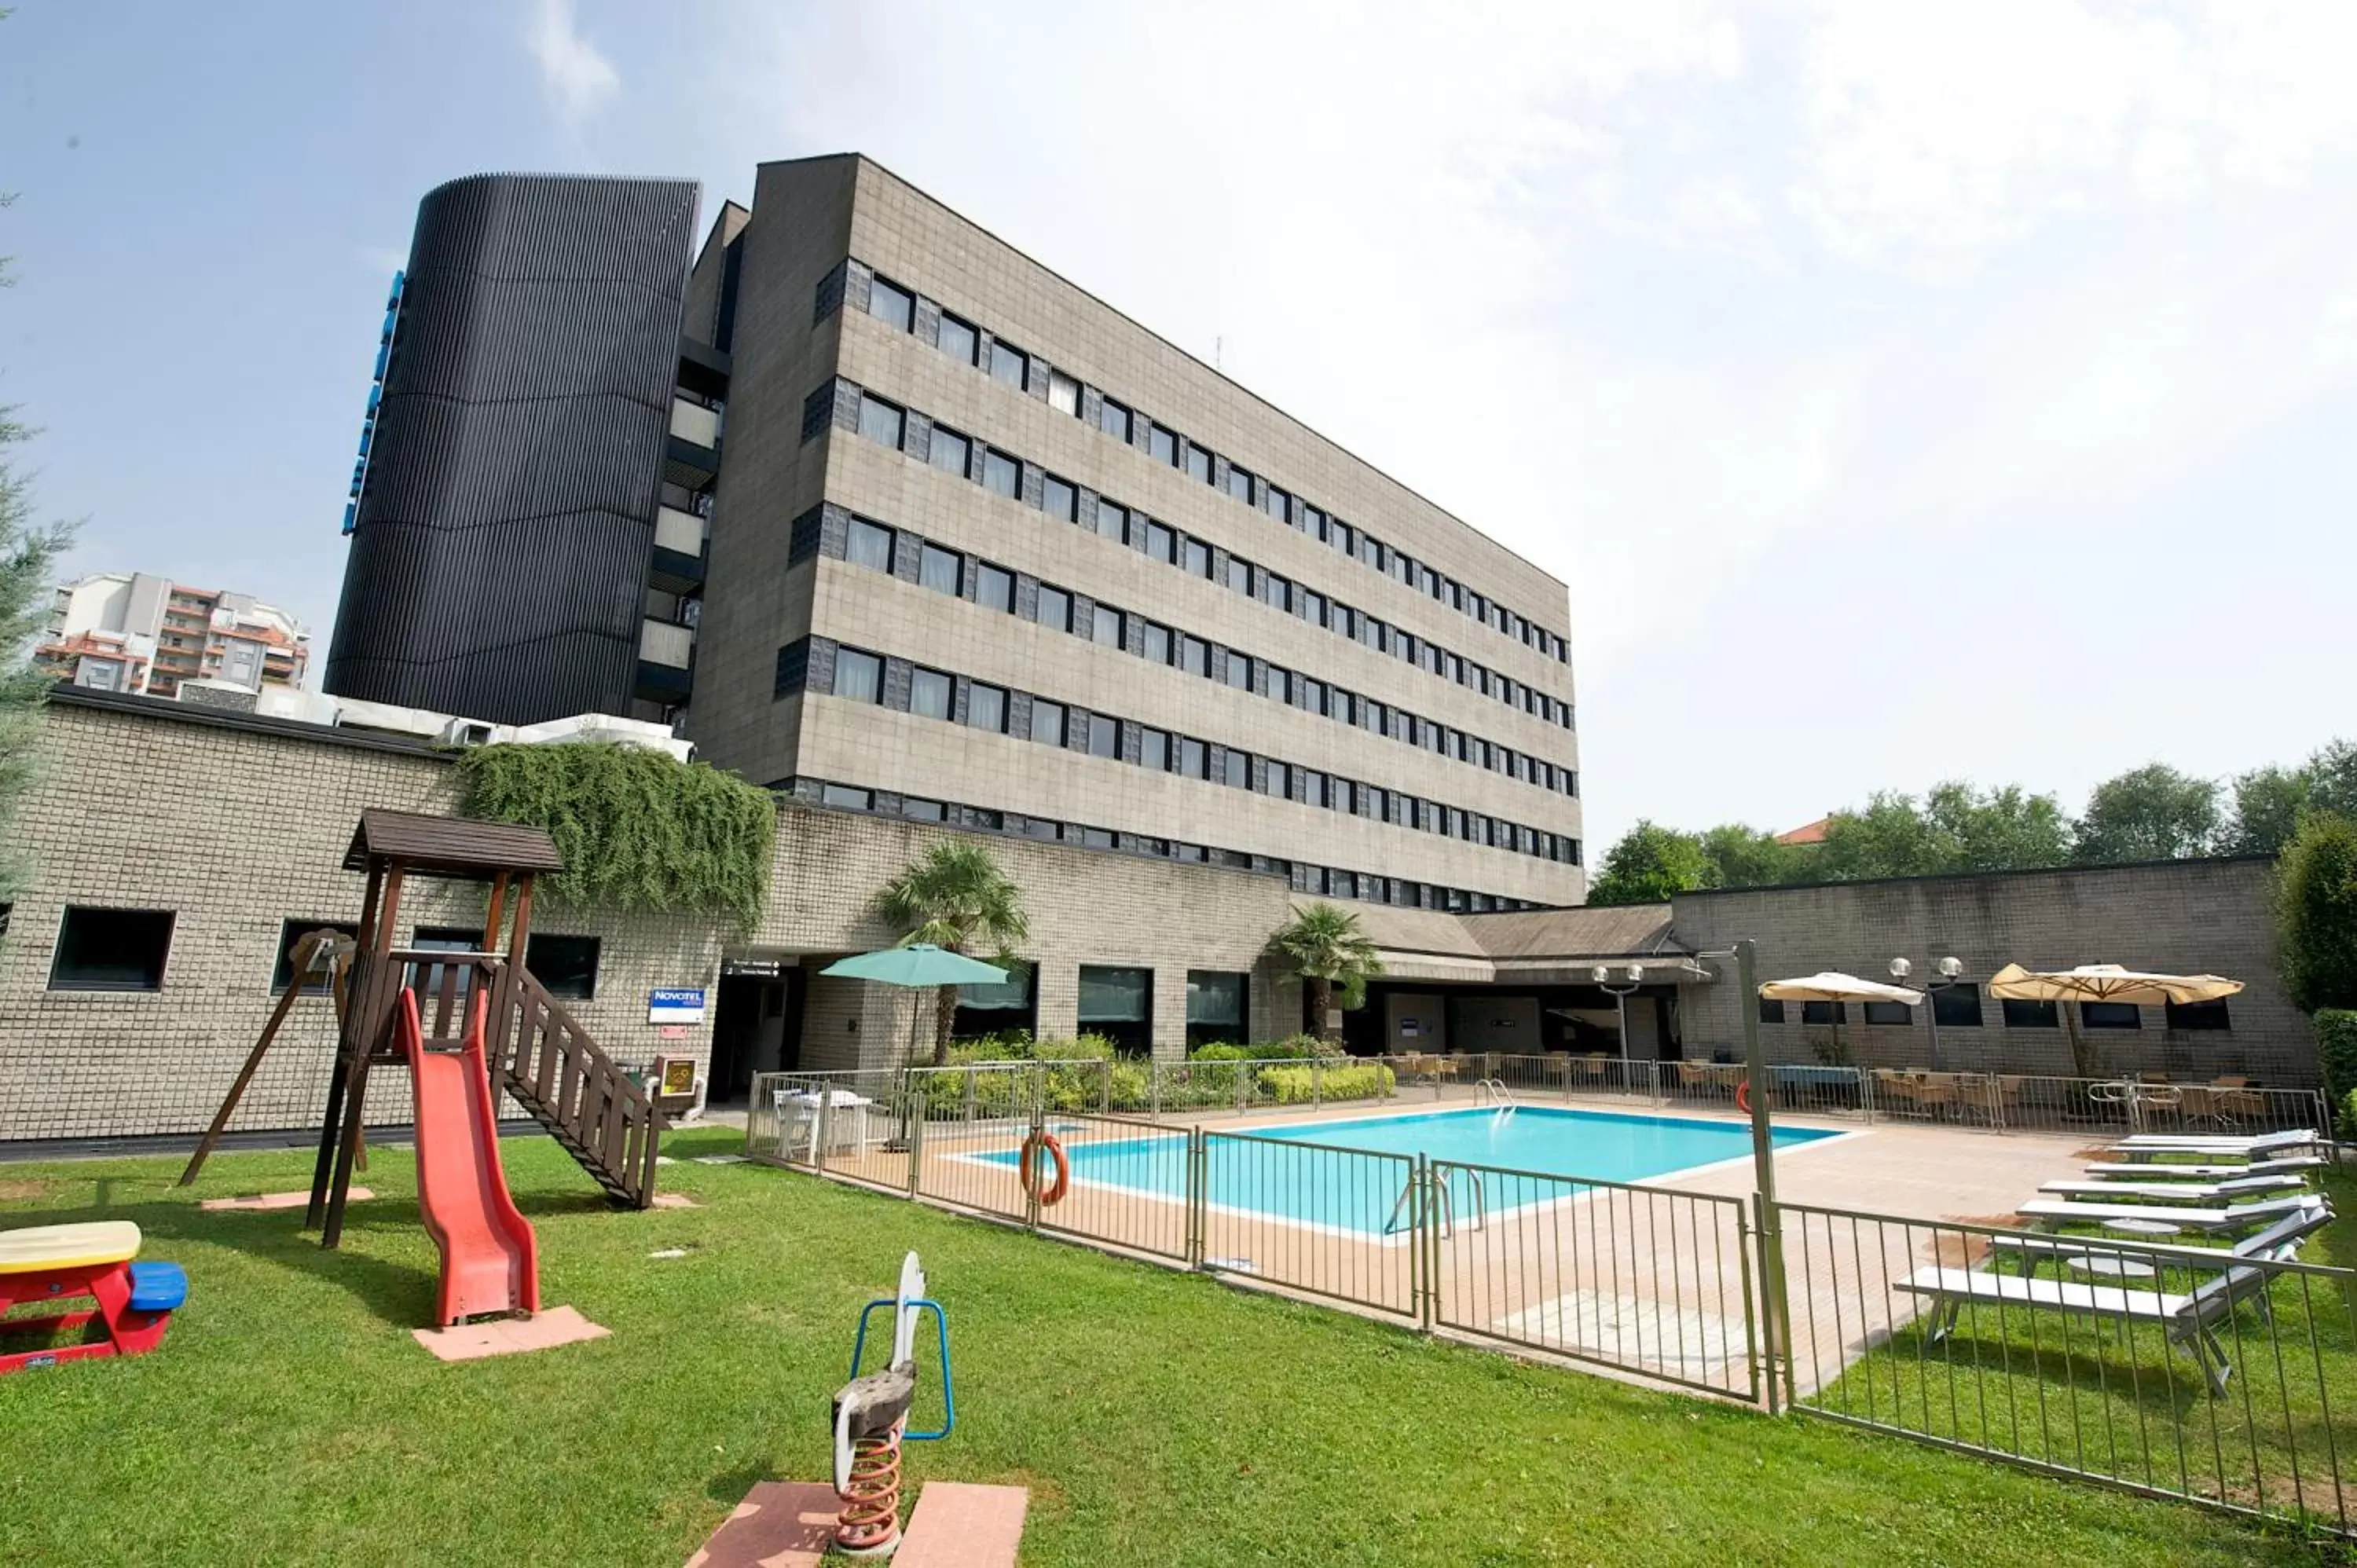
point(676, 1004)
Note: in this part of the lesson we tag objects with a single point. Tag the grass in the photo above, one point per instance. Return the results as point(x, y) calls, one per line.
point(1158, 1417)
point(2062, 1389)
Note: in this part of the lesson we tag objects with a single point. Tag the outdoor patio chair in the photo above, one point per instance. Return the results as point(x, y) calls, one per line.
point(2189, 1321)
point(1593, 1068)
point(2226, 1106)
point(1693, 1078)
point(2176, 1191)
point(2208, 1219)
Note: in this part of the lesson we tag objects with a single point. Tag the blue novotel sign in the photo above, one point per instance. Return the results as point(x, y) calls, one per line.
point(375, 397)
point(675, 1005)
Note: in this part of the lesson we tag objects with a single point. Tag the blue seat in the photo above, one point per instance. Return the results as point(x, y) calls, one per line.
point(158, 1287)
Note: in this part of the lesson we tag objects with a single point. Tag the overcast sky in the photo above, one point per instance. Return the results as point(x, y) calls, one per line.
point(1905, 391)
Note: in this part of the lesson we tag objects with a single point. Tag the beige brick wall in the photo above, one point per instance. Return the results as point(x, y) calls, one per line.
point(2192, 917)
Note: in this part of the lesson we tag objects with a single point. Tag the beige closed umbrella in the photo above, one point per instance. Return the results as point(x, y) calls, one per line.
point(1832, 985)
point(2105, 982)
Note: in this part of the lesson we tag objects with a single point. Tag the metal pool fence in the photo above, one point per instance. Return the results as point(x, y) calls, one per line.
point(2190, 1372)
point(2215, 1374)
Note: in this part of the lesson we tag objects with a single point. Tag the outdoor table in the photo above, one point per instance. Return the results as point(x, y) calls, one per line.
point(2151, 1230)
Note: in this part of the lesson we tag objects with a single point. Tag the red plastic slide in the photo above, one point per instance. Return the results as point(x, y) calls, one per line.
point(489, 1263)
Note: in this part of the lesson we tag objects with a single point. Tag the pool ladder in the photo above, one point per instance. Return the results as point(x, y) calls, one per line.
point(1430, 1191)
point(1493, 1092)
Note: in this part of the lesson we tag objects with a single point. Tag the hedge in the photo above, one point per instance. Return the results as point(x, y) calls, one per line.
point(2335, 1054)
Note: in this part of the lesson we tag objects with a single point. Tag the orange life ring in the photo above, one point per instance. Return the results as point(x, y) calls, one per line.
point(1028, 1169)
point(1743, 1096)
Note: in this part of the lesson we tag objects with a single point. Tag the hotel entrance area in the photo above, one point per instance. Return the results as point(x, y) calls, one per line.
point(1408, 1018)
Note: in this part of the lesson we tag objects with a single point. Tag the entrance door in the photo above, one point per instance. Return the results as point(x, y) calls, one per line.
point(755, 1028)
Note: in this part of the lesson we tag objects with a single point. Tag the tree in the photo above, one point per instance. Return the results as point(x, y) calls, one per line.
point(1892, 837)
point(1742, 856)
point(2154, 812)
point(2269, 803)
point(2332, 779)
point(2316, 912)
point(1648, 864)
point(955, 897)
point(1327, 950)
point(2003, 830)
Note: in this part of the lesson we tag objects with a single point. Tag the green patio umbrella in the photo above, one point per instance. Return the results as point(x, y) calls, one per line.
point(916, 966)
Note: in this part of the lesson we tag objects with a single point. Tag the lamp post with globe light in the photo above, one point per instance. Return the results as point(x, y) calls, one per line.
point(1950, 969)
point(1619, 992)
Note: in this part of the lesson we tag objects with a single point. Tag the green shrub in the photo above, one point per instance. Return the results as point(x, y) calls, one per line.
point(1300, 1085)
point(2336, 1055)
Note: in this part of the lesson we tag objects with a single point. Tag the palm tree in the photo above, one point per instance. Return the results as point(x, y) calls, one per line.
point(1327, 950)
point(955, 897)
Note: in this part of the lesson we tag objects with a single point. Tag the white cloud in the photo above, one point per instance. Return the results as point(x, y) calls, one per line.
point(576, 77)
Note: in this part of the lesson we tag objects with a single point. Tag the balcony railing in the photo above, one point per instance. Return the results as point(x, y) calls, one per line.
point(679, 530)
point(661, 642)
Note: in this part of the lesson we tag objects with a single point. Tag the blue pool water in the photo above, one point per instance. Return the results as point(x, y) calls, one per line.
point(1274, 1171)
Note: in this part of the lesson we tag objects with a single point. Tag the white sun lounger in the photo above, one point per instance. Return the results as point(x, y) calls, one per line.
point(2279, 1240)
point(2175, 1191)
point(2146, 1170)
point(2254, 1147)
point(2189, 1320)
point(2232, 1216)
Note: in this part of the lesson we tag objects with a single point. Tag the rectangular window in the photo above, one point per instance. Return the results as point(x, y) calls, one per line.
point(1239, 671)
point(1313, 522)
point(1055, 608)
point(1107, 630)
point(1825, 1013)
point(1199, 464)
point(1058, 499)
point(1313, 787)
point(2197, 1015)
point(1118, 1005)
point(892, 304)
point(1114, 420)
point(920, 810)
point(1104, 735)
point(986, 707)
point(1161, 544)
point(959, 341)
point(1153, 749)
point(1008, 364)
point(880, 421)
point(1889, 1012)
point(1310, 692)
point(1194, 655)
point(1163, 444)
point(1197, 560)
point(566, 966)
point(994, 586)
point(938, 569)
point(1001, 474)
point(1957, 1006)
point(1096, 838)
point(1275, 502)
point(847, 797)
point(1240, 575)
point(1770, 1012)
point(949, 451)
point(315, 982)
point(2030, 1014)
point(1238, 768)
point(2111, 1015)
point(1191, 757)
point(1063, 394)
point(1279, 682)
point(1113, 520)
point(859, 676)
point(1047, 723)
point(1156, 641)
point(1276, 592)
point(1218, 1010)
point(1240, 484)
point(1280, 780)
point(865, 544)
point(929, 695)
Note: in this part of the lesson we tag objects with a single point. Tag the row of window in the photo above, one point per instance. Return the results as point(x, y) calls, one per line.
point(860, 676)
point(911, 557)
point(1959, 1007)
point(1115, 1003)
point(1336, 882)
point(127, 950)
point(1002, 361)
point(914, 434)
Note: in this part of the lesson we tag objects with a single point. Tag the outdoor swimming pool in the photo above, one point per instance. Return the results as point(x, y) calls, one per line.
point(1347, 1175)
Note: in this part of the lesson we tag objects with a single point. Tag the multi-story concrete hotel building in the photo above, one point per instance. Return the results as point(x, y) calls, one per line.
point(887, 515)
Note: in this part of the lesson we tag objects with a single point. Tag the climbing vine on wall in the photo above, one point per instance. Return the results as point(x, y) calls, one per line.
point(640, 831)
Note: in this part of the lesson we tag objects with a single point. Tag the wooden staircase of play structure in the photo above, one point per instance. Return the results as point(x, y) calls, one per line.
point(546, 1062)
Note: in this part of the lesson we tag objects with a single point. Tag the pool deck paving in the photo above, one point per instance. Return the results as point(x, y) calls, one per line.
point(1649, 1279)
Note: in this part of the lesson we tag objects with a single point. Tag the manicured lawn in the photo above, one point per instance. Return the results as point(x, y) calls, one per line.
point(1158, 1417)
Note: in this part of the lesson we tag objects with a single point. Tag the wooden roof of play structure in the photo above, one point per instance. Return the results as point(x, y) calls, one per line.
point(454, 847)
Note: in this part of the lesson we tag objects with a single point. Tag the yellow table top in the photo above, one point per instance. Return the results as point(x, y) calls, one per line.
point(42, 1246)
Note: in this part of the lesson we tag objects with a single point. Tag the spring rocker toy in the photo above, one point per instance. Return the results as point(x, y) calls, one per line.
point(871, 1422)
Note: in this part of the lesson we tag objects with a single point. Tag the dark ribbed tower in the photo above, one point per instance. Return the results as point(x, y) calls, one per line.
point(504, 546)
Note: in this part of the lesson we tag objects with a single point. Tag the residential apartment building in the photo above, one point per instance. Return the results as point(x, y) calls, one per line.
point(132, 631)
point(975, 549)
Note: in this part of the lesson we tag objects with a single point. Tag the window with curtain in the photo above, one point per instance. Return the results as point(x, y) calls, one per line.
point(949, 451)
point(866, 545)
point(880, 421)
point(929, 695)
point(859, 676)
point(959, 340)
point(891, 304)
point(938, 570)
point(995, 1009)
point(1118, 1004)
point(1217, 1006)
